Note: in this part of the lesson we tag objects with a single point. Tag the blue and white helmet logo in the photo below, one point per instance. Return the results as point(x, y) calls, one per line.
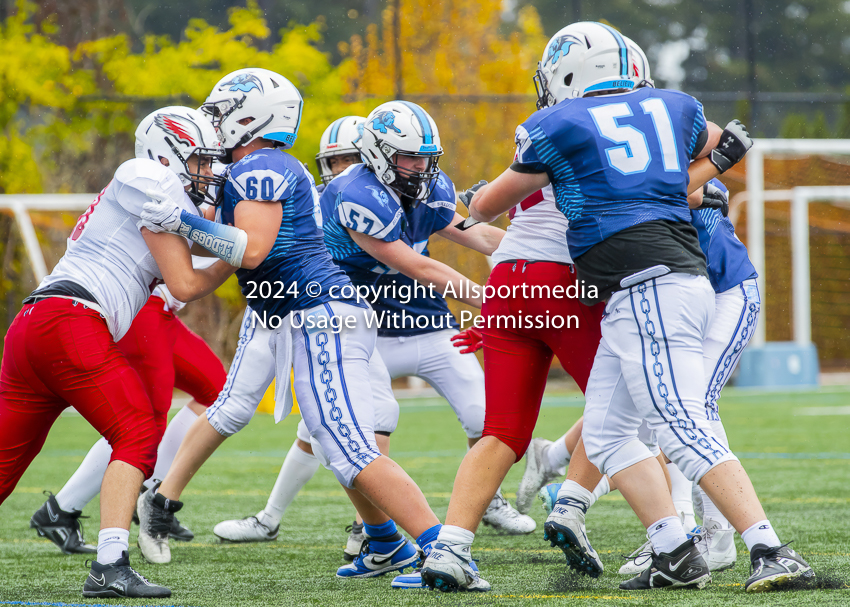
point(359, 132)
point(560, 47)
point(384, 121)
point(244, 83)
point(380, 195)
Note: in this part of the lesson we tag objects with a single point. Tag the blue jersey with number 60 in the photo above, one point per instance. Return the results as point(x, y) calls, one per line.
point(298, 272)
point(614, 160)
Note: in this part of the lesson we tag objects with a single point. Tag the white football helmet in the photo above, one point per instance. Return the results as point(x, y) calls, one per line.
point(584, 58)
point(338, 140)
point(638, 65)
point(269, 100)
point(401, 127)
point(175, 133)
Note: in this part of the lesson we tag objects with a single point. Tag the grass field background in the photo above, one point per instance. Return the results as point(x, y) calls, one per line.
point(796, 447)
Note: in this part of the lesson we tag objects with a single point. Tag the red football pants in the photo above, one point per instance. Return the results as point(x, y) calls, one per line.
point(59, 353)
point(517, 360)
point(166, 354)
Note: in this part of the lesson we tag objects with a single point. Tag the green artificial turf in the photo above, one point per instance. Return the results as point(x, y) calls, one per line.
point(798, 462)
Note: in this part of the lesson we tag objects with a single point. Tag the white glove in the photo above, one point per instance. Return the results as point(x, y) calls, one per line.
point(161, 214)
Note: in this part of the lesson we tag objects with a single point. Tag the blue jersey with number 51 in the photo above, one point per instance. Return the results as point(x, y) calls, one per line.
point(298, 272)
point(614, 160)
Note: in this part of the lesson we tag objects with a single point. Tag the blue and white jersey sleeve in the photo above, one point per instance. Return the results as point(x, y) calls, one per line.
point(727, 260)
point(442, 202)
point(700, 124)
point(526, 158)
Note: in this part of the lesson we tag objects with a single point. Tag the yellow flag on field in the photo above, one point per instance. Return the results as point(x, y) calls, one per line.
point(267, 403)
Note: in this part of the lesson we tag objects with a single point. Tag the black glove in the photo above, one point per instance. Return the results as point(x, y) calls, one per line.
point(733, 145)
point(714, 198)
point(466, 198)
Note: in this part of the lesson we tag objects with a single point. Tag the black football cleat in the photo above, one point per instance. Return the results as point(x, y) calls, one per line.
point(776, 567)
point(60, 527)
point(683, 568)
point(119, 580)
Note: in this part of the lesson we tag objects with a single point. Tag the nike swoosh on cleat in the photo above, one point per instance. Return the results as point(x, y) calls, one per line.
point(53, 517)
point(99, 582)
point(383, 560)
point(679, 564)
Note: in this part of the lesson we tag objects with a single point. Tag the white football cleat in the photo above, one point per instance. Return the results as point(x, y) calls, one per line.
point(248, 529)
point(502, 516)
point(717, 545)
point(536, 475)
point(154, 524)
point(639, 560)
point(565, 528)
point(354, 544)
point(450, 568)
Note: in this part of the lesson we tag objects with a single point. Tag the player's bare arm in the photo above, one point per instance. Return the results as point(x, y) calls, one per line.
point(261, 221)
point(504, 193)
point(425, 270)
point(175, 263)
point(482, 238)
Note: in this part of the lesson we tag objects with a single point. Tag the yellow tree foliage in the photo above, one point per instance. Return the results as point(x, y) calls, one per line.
point(68, 116)
point(63, 97)
point(473, 78)
point(462, 51)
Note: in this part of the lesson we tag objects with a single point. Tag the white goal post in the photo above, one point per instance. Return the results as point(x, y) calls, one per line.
point(800, 198)
point(22, 204)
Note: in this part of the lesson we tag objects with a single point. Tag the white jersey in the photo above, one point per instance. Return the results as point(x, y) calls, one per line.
point(107, 254)
point(538, 231)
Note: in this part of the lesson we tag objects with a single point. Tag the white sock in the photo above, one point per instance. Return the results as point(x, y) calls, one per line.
point(457, 536)
point(710, 512)
point(111, 543)
point(170, 443)
point(575, 492)
point(681, 492)
point(760, 533)
point(85, 483)
point(603, 488)
point(557, 456)
point(666, 534)
point(298, 468)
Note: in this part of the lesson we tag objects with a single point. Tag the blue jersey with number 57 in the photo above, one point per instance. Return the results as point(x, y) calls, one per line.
point(298, 272)
point(356, 200)
point(614, 160)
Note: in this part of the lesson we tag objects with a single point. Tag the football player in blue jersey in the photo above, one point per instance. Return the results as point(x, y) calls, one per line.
point(299, 466)
point(378, 218)
point(318, 324)
point(618, 158)
point(414, 351)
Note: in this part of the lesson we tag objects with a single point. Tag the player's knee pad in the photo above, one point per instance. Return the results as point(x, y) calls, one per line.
point(696, 461)
point(230, 414)
point(471, 419)
point(302, 433)
point(649, 438)
point(613, 458)
point(318, 451)
point(345, 458)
